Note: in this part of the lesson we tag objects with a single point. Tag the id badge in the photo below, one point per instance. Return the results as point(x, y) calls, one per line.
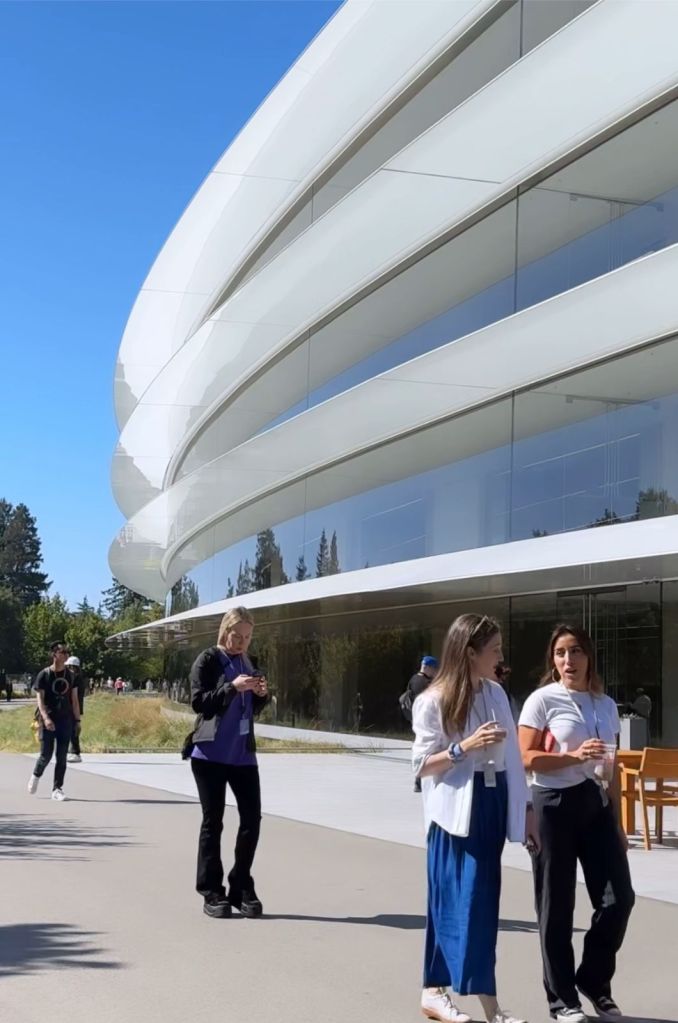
point(490, 776)
point(244, 726)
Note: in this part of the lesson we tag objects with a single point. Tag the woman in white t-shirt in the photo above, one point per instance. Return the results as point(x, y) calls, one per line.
point(568, 731)
point(474, 798)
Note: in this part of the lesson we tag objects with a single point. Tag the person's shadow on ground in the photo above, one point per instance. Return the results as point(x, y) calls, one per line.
point(401, 921)
point(30, 948)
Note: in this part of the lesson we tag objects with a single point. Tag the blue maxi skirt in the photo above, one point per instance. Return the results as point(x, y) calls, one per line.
point(464, 885)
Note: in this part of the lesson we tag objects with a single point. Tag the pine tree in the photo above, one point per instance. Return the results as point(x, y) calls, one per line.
point(245, 580)
point(185, 596)
point(20, 555)
point(84, 607)
point(322, 558)
point(268, 566)
point(118, 599)
point(230, 589)
point(302, 569)
point(333, 564)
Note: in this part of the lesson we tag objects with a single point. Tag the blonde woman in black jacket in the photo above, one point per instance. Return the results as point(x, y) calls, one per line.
point(226, 693)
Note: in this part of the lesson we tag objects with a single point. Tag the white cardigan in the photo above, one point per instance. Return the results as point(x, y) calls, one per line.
point(447, 796)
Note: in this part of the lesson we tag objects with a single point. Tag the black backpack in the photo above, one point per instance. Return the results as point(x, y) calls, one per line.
point(405, 702)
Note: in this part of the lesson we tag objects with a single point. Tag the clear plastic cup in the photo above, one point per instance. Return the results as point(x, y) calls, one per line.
point(604, 769)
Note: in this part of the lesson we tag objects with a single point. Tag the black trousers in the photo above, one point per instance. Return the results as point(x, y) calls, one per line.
point(75, 739)
point(211, 780)
point(575, 825)
point(60, 737)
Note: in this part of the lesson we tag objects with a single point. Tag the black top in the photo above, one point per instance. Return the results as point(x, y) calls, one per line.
point(418, 683)
point(211, 694)
point(56, 688)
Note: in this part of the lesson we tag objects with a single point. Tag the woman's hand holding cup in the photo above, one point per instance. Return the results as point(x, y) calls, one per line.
point(487, 735)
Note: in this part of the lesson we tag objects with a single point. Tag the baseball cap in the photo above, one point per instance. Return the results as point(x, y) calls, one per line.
point(73, 662)
point(430, 662)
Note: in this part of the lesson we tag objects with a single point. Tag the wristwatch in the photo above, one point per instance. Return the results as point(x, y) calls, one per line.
point(455, 752)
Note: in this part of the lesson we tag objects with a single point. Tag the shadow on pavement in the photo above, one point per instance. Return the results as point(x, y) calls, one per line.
point(140, 802)
point(34, 837)
point(29, 948)
point(401, 921)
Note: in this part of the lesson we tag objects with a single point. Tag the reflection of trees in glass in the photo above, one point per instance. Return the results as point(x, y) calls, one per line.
point(651, 503)
point(185, 595)
point(245, 581)
point(654, 503)
point(230, 588)
point(322, 558)
point(327, 558)
point(268, 565)
point(333, 568)
point(302, 569)
point(608, 518)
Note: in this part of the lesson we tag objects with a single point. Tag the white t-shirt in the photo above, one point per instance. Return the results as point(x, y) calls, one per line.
point(571, 718)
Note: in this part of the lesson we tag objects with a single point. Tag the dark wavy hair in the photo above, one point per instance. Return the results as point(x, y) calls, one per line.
point(585, 642)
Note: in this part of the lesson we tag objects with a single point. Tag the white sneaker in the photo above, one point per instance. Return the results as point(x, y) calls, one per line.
point(437, 1004)
point(571, 1014)
point(502, 1016)
point(33, 784)
point(58, 794)
point(74, 758)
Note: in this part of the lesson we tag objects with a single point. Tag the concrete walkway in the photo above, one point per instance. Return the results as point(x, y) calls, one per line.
point(367, 794)
point(100, 923)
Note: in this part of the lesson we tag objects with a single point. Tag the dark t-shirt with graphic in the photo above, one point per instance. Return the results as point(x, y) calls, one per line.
point(56, 687)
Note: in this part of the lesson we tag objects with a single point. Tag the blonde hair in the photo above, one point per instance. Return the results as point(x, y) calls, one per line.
point(230, 620)
point(454, 676)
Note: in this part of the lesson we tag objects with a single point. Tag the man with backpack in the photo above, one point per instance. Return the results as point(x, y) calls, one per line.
point(420, 681)
point(58, 712)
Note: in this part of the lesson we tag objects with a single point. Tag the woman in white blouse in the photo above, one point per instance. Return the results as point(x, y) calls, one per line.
point(475, 797)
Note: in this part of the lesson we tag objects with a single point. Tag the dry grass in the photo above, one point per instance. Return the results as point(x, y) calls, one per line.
point(128, 723)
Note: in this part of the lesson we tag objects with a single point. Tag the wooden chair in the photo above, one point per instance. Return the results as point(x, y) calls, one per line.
point(659, 766)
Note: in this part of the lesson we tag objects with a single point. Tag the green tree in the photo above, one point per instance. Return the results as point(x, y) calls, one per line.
point(185, 595)
point(44, 623)
point(653, 503)
point(86, 637)
point(322, 558)
point(333, 567)
point(302, 569)
point(20, 554)
point(118, 599)
point(230, 588)
point(268, 563)
point(245, 581)
point(11, 632)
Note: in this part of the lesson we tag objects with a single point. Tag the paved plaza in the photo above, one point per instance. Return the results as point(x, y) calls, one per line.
point(100, 921)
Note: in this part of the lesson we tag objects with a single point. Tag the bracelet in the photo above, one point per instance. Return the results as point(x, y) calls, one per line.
point(455, 752)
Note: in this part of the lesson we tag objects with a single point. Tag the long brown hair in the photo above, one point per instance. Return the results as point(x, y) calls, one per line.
point(585, 642)
point(454, 677)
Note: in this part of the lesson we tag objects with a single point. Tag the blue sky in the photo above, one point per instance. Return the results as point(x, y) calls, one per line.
point(112, 114)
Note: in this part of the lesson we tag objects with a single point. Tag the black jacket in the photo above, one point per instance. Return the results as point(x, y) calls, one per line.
point(212, 693)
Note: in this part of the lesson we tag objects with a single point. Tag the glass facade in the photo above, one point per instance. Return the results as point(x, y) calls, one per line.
point(589, 449)
point(346, 671)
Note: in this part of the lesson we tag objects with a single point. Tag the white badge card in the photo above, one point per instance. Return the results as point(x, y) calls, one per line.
point(244, 726)
point(490, 775)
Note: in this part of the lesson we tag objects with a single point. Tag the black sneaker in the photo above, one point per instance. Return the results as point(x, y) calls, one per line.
point(247, 902)
point(605, 1006)
point(217, 906)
